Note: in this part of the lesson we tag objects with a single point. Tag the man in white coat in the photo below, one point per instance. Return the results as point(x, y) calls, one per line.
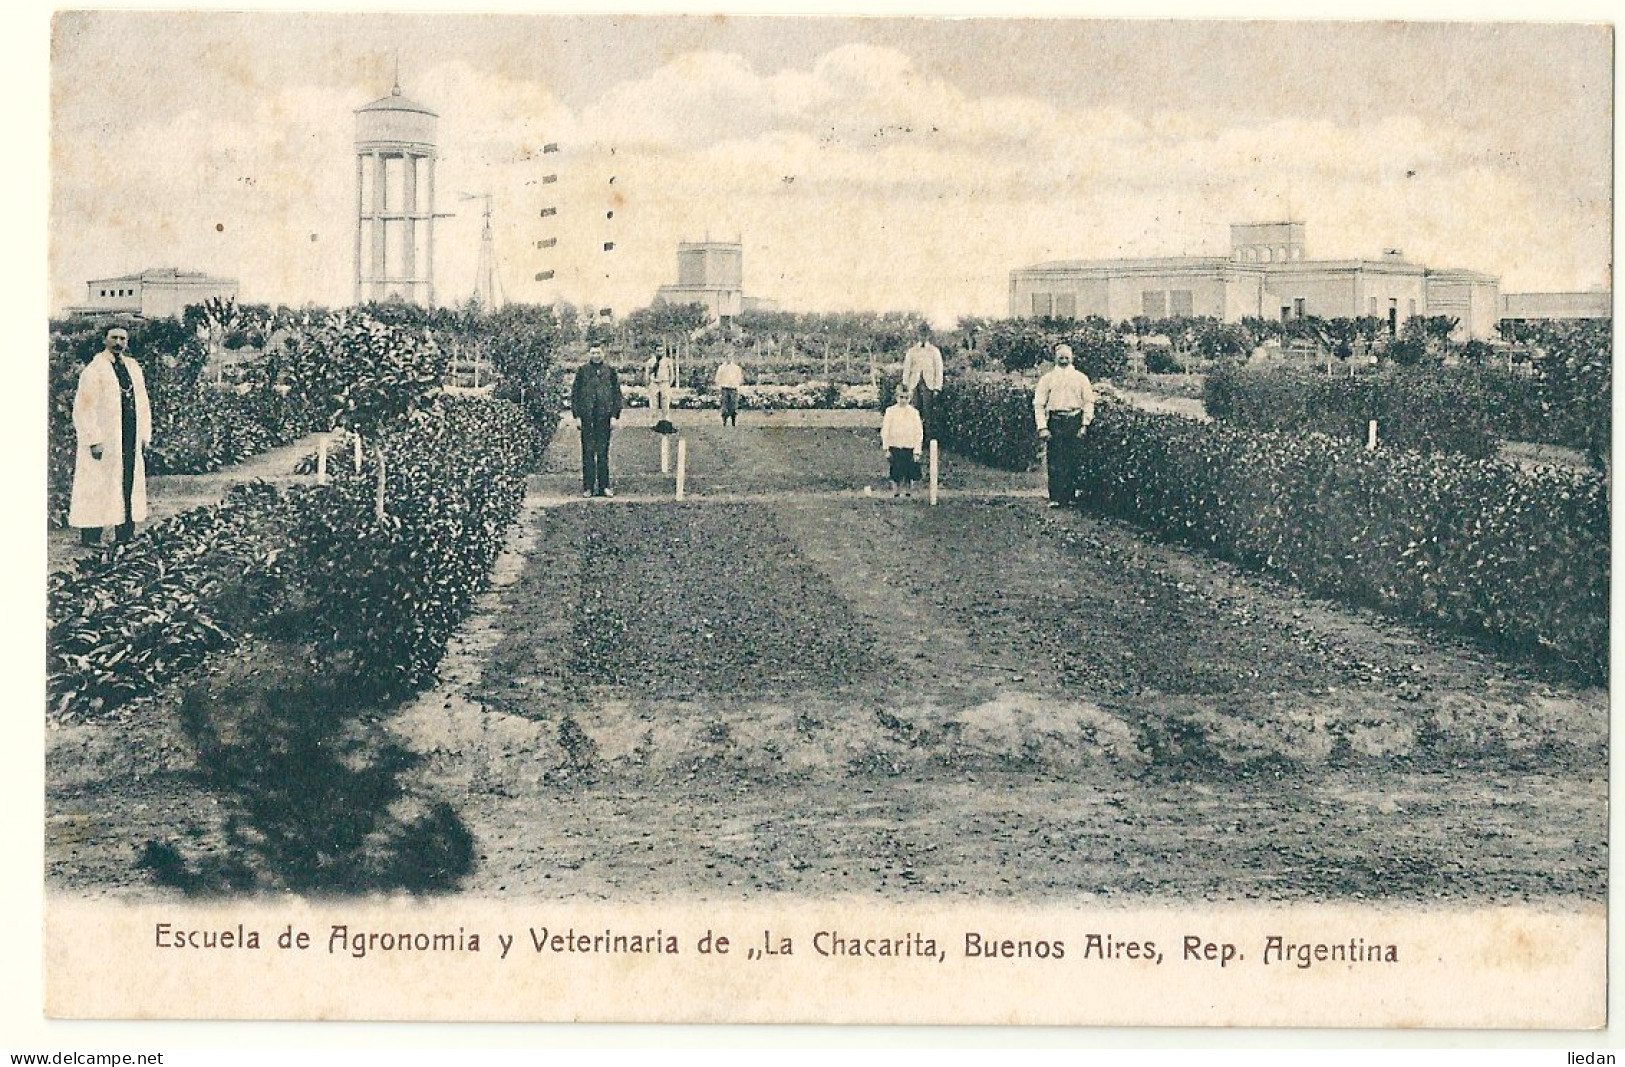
point(113, 424)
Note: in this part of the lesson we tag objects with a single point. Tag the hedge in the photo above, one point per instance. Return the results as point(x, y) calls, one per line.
point(989, 417)
point(1430, 411)
point(382, 597)
point(1517, 557)
point(375, 600)
point(1451, 409)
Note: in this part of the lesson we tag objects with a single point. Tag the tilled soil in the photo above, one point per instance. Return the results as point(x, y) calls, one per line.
point(786, 685)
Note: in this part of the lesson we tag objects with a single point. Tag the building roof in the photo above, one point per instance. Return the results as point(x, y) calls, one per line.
point(396, 102)
point(1461, 274)
point(1184, 264)
point(1153, 263)
point(167, 274)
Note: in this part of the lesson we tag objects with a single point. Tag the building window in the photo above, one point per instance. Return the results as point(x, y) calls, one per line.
point(1297, 307)
point(1373, 311)
point(1066, 305)
point(1410, 309)
point(1154, 303)
point(1180, 304)
point(1041, 305)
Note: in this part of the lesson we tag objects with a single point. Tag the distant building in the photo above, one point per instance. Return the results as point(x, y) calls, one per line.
point(1592, 305)
point(1267, 274)
point(711, 273)
point(162, 292)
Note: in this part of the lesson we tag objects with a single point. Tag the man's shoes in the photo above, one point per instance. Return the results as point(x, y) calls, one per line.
point(1053, 504)
point(606, 491)
point(588, 493)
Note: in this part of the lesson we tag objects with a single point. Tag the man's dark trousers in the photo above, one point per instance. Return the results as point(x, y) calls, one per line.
point(1065, 456)
point(594, 455)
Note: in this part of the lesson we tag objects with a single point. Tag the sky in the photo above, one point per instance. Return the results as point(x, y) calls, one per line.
point(864, 163)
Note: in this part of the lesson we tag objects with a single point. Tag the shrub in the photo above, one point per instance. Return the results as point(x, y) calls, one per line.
point(375, 600)
point(381, 597)
point(1430, 411)
point(132, 618)
point(989, 417)
point(1518, 558)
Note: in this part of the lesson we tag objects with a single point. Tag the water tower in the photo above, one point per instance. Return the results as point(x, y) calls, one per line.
point(394, 200)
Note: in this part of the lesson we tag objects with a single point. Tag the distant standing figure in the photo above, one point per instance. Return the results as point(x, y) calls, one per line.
point(662, 380)
point(730, 377)
point(595, 399)
point(113, 424)
point(902, 435)
point(1064, 406)
point(922, 377)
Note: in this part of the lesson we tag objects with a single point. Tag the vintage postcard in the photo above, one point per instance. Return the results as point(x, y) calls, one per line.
point(906, 520)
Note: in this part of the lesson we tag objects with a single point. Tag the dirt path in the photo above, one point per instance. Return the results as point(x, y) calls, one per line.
point(786, 685)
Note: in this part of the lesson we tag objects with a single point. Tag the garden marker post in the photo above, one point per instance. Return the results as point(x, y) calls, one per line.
point(933, 472)
point(665, 454)
point(378, 498)
point(321, 459)
point(355, 439)
point(682, 465)
point(1371, 436)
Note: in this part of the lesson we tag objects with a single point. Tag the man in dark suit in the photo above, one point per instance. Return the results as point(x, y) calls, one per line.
point(595, 399)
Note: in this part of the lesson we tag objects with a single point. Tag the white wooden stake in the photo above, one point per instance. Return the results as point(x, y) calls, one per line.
point(933, 472)
point(378, 500)
point(321, 459)
point(665, 454)
point(682, 465)
point(1371, 435)
point(355, 440)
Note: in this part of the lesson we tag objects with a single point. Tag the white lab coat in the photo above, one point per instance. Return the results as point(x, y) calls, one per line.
point(98, 484)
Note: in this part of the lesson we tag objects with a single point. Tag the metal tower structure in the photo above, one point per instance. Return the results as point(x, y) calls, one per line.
point(487, 277)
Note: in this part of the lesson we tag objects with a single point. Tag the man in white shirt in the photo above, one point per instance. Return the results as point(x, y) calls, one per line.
point(922, 377)
point(1064, 406)
point(662, 382)
point(730, 376)
point(901, 438)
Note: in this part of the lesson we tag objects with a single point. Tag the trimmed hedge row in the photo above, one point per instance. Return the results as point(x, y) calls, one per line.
point(383, 596)
point(988, 417)
point(1517, 557)
point(1429, 411)
point(374, 600)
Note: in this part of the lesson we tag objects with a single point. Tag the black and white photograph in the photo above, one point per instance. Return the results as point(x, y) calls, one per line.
point(827, 519)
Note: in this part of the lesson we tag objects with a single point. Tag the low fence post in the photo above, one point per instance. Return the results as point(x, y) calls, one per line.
point(665, 454)
point(682, 465)
point(1371, 435)
point(321, 458)
point(355, 440)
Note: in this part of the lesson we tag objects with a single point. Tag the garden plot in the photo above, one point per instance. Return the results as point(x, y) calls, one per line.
point(787, 686)
point(981, 699)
